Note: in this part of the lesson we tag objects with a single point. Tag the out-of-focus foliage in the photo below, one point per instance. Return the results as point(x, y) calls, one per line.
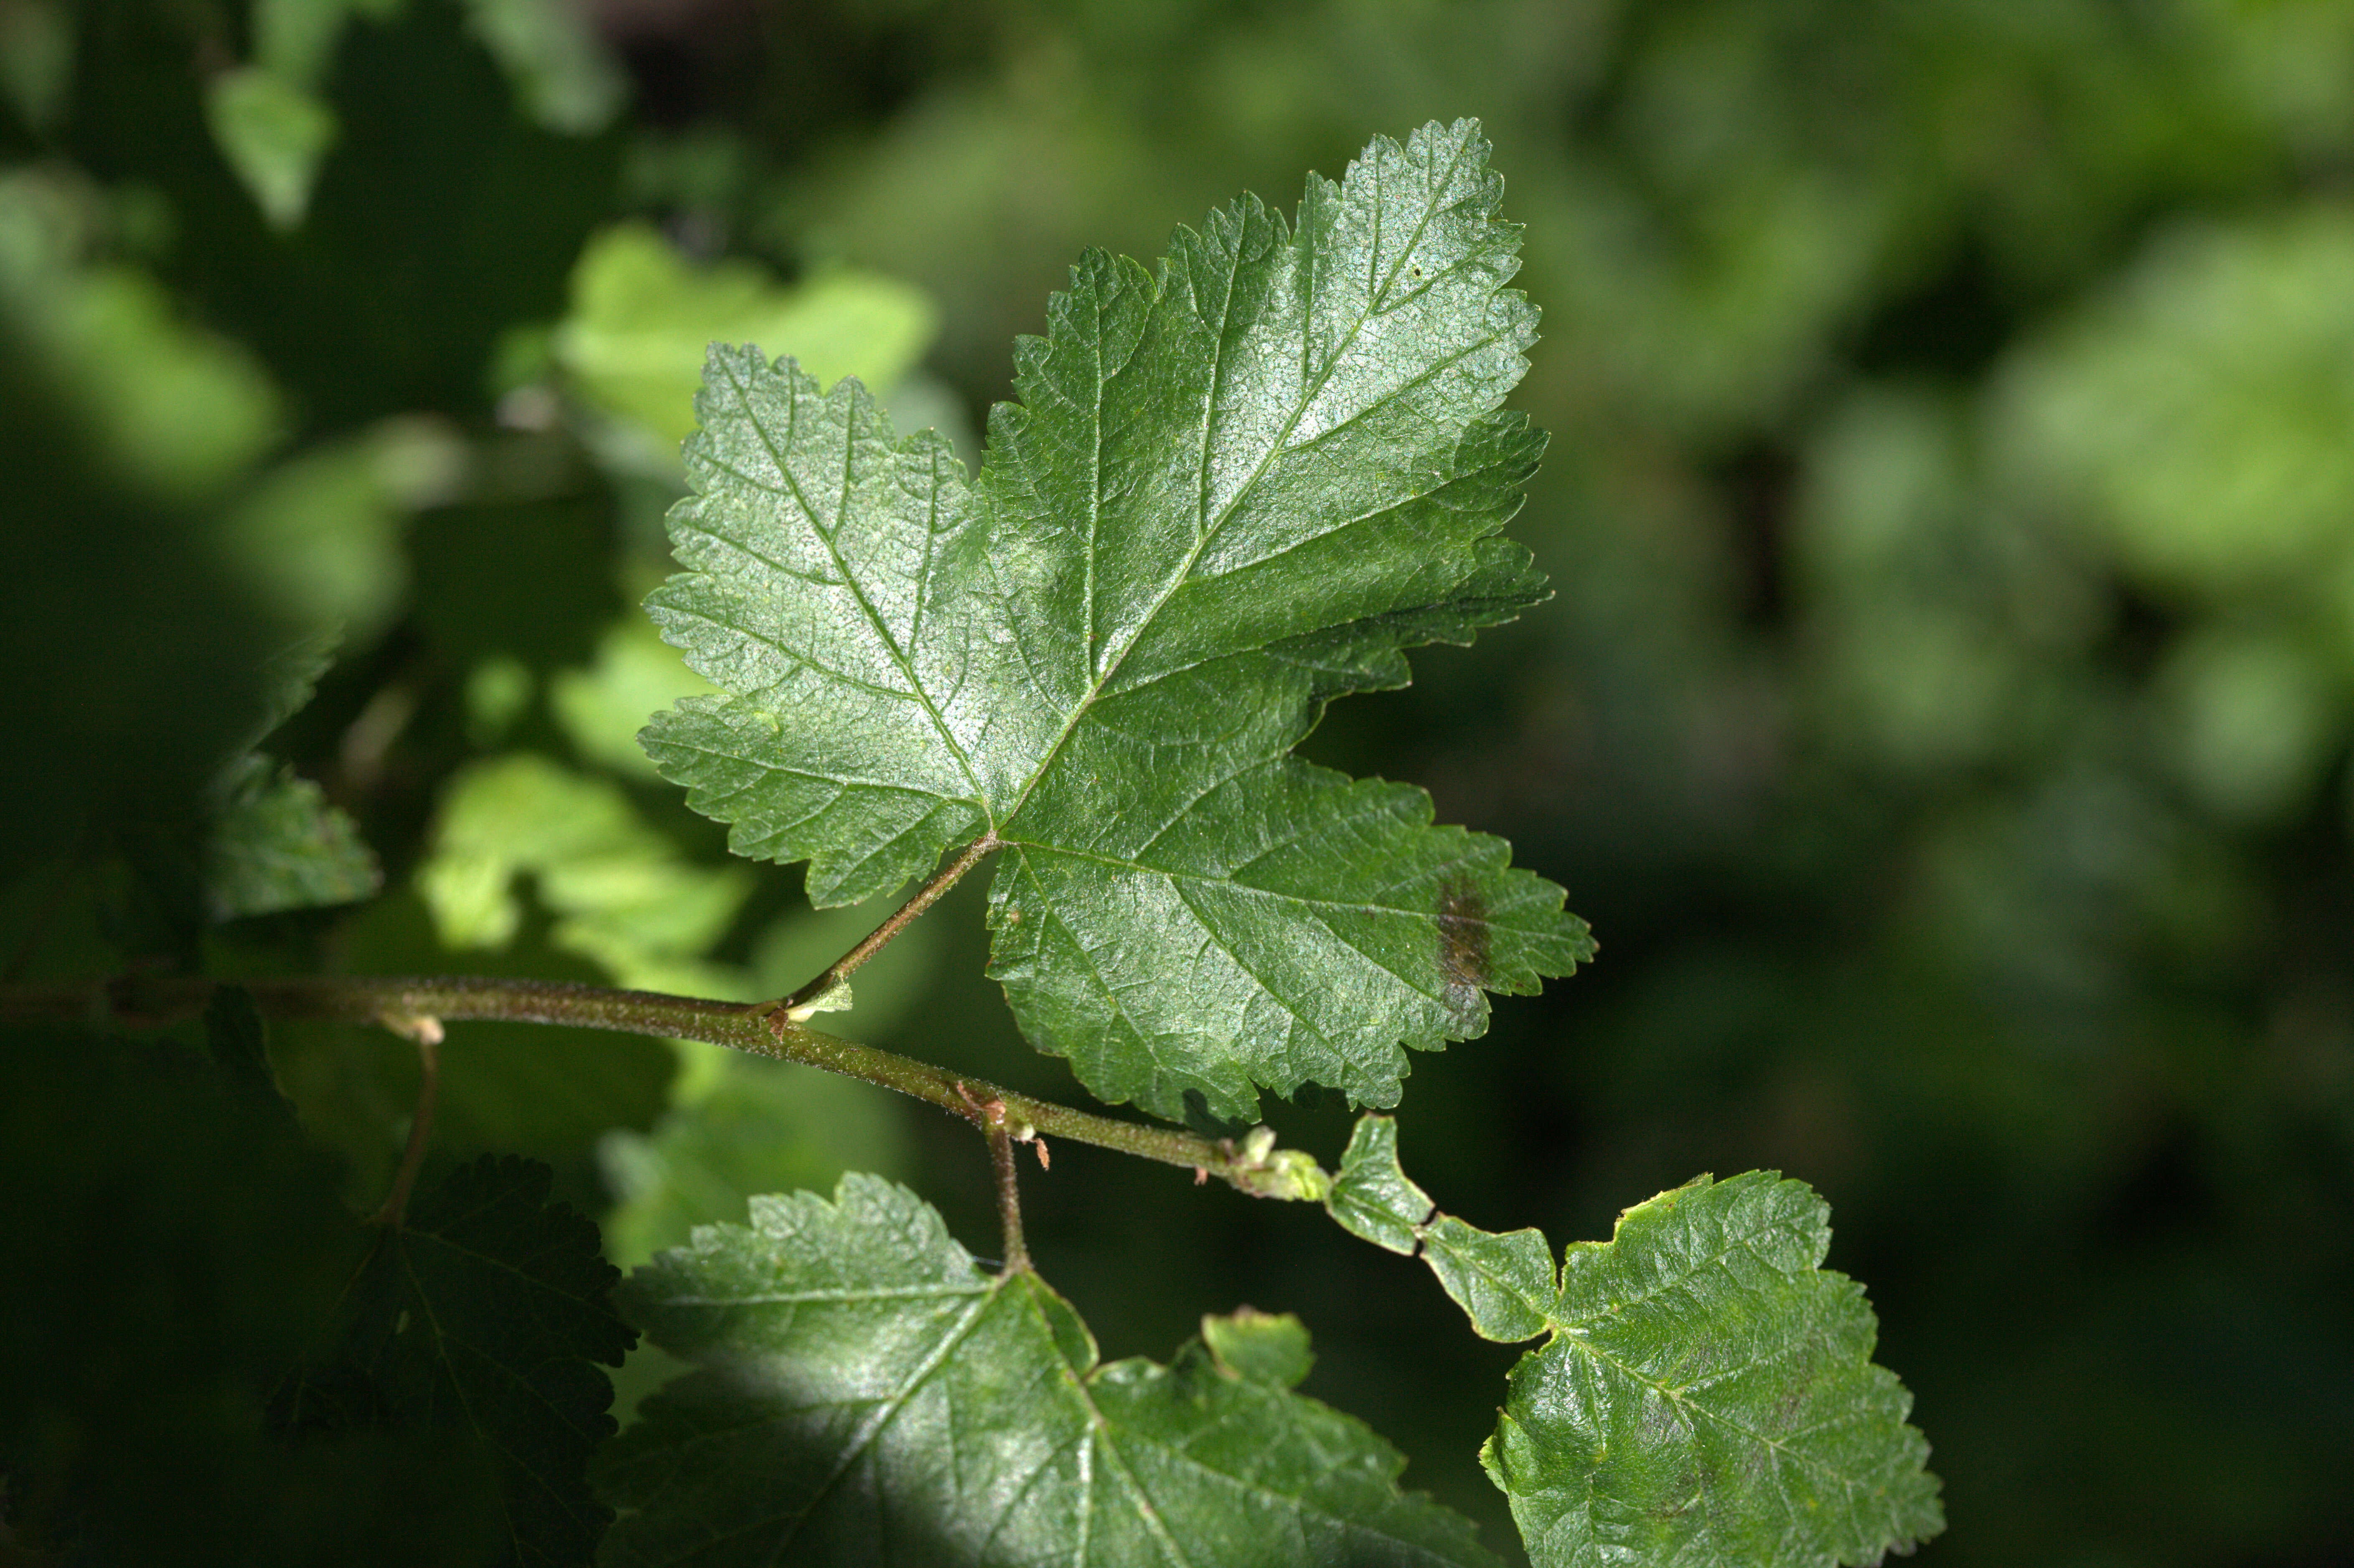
point(177, 410)
point(1944, 719)
point(276, 843)
point(643, 315)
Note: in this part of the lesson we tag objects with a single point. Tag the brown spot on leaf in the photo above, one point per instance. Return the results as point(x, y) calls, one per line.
point(1462, 932)
point(1463, 946)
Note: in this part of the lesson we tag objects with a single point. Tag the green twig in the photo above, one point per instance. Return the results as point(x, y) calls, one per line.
point(1253, 1165)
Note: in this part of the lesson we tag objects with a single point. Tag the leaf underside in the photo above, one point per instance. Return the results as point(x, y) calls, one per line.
point(1232, 490)
point(866, 1394)
point(1705, 1393)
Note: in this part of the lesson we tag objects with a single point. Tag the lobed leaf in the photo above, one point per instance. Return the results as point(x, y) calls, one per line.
point(1233, 489)
point(867, 1396)
point(1705, 1394)
point(482, 1314)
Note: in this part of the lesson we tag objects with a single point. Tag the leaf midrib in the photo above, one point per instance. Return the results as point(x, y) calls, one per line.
point(1105, 671)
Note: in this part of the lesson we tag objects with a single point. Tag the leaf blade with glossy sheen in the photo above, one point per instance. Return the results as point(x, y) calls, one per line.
point(1233, 490)
point(819, 548)
point(867, 1396)
point(1705, 1394)
point(1709, 1397)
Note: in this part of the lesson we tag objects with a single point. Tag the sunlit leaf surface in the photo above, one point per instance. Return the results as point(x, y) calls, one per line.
point(1233, 489)
point(868, 1395)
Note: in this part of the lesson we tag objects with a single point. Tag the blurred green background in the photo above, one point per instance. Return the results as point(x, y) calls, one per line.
point(1944, 719)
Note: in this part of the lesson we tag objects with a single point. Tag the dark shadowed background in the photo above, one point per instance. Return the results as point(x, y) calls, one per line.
point(1944, 719)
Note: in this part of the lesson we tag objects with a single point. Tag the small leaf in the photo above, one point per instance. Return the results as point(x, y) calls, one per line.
point(1503, 1283)
point(484, 1315)
point(290, 677)
point(643, 314)
point(273, 133)
point(277, 844)
point(563, 74)
point(604, 705)
point(1266, 1346)
point(868, 1395)
point(1706, 1392)
point(1234, 489)
point(623, 893)
point(1371, 1197)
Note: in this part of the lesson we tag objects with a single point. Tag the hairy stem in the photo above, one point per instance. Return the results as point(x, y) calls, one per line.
point(1009, 1198)
point(401, 1003)
point(796, 1008)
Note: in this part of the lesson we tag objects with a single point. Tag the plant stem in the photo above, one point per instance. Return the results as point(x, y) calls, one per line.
point(796, 1008)
point(427, 1033)
point(1009, 1198)
point(403, 1004)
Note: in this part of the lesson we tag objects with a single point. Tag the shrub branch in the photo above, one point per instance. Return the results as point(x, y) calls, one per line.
point(402, 1003)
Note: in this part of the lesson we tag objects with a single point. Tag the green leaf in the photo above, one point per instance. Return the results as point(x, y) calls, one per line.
point(277, 844)
point(868, 1395)
point(37, 52)
point(758, 1127)
point(178, 412)
point(296, 38)
point(273, 133)
point(563, 76)
point(604, 705)
point(622, 894)
point(276, 840)
point(1504, 1283)
point(1266, 1346)
point(643, 316)
point(1371, 1196)
point(483, 1315)
point(2195, 414)
point(319, 536)
point(1233, 490)
point(1705, 1393)
point(290, 677)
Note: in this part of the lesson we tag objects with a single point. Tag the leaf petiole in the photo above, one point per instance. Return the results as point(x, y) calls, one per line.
point(425, 1031)
point(829, 990)
point(1009, 1200)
